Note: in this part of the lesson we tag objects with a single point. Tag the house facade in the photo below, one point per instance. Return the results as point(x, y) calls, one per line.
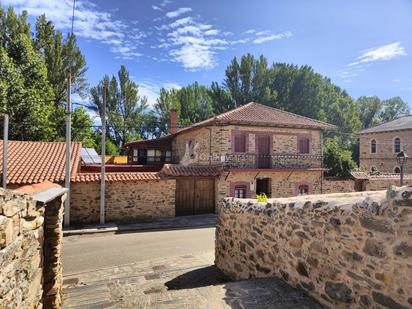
point(379, 145)
point(251, 150)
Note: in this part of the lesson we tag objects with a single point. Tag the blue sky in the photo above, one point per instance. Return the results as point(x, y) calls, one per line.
point(364, 46)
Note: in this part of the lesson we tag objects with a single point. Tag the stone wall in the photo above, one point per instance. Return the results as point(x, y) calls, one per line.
point(283, 183)
point(385, 158)
point(126, 201)
point(30, 247)
point(216, 141)
point(335, 185)
point(349, 250)
point(381, 183)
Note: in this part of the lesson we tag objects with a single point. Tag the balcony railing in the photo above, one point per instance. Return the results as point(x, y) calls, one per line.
point(254, 161)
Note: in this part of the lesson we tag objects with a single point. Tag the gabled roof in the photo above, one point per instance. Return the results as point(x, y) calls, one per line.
point(256, 114)
point(401, 123)
point(175, 170)
point(34, 162)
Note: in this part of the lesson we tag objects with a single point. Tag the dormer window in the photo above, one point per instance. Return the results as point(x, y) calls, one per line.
point(373, 146)
point(397, 145)
point(304, 145)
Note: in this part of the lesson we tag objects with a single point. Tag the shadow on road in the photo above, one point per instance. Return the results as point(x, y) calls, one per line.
point(201, 277)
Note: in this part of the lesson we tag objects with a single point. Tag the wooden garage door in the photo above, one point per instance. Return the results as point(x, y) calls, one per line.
point(195, 196)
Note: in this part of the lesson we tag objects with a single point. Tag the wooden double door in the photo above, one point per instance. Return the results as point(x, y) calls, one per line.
point(194, 196)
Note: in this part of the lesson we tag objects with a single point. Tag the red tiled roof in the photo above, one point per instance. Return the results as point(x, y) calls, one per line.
point(262, 115)
point(179, 170)
point(34, 162)
point(113, 177)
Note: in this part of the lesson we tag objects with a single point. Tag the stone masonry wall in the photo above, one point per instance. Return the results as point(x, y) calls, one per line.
point(30, 247)
point(125, 201)
point(385, 158)
point(284, 141)
point(349, 250)
point(282, 182)
point(332, 185)
point(381, 183)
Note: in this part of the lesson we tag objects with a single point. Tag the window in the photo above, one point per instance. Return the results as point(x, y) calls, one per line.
point(168, 156)
point(135, 155)
point(304, 145)
point(397, 145)
point(397, 170)
point(240, 143)
point(240, 191)
point(154, 155)
point(373, 146)
point(303, 190)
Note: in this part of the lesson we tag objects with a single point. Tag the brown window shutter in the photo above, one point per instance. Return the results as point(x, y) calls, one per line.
point(240, 143)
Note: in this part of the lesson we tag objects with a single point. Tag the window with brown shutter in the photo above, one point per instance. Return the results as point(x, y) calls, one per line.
point(240, 143)
point(304, 145)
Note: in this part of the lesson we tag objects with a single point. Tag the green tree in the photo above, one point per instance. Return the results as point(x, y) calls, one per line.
point(337, 159)
point(61, 56)
point(125, 107)
point(33, 84)
point(193, 102)
point(166, 101)
point(25, 92)
point(393, 108)
point(369, 109)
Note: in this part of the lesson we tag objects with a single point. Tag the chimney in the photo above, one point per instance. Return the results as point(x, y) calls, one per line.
point(174, 120)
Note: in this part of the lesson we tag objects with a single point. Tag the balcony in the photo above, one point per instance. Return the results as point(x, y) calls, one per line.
point(286, 161)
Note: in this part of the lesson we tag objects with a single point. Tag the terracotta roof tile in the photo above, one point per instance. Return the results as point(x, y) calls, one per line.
point(114, 177)
point(262, 115)
point(35, 162)
point(179, 170)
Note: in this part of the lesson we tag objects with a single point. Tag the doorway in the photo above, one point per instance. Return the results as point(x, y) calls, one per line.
point(263, 185)
point(263, 152)
point(194, 196)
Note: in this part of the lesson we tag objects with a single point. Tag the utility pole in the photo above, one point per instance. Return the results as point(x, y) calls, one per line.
point(5, 151)
point(103, 158)
point(68, 146)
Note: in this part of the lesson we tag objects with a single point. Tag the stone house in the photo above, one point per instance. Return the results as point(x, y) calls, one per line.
point(380, 144)
point(250, 150)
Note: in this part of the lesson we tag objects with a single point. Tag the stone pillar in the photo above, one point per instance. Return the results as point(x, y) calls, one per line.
point(52, 269)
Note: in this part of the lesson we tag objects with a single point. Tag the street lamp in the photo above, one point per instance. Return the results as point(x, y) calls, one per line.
point(401, 157)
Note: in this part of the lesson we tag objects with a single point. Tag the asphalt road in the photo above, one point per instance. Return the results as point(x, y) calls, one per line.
point(96, 251)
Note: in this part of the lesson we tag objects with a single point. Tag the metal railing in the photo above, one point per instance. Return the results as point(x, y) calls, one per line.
point(253, 161)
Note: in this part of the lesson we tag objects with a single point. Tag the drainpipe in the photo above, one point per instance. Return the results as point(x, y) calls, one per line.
point(5, 144)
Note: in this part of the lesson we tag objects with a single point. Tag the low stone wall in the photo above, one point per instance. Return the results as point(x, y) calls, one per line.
point(335, 185)
point(30, 246)
point(381, 183)
point(125, 201)
point(346, 250)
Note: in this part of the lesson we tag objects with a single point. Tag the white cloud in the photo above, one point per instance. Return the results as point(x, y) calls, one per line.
point(385, 52)
point(156, 8)
point(89, 23)
point(178, 12)
point(192, 43)
point(250, 31)
point(151, 90)
point(165, 2)
point(396, 80)
point(264, 36)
